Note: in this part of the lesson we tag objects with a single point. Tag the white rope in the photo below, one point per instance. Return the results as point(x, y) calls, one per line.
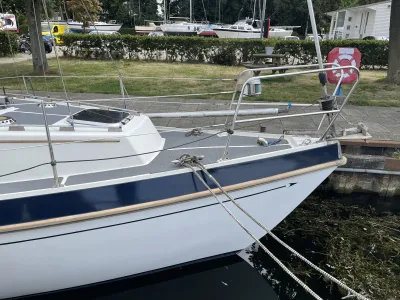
point(187, 161)
point(327, 275)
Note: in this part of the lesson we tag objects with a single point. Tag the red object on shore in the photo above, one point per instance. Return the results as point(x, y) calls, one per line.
point(208, 33)
point(344, 57)
point(266, 26)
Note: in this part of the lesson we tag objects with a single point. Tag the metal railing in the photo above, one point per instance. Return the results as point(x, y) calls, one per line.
point(338, 111)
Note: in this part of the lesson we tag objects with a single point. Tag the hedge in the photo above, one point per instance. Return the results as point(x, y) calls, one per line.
point(6, 38)
point(219, 51)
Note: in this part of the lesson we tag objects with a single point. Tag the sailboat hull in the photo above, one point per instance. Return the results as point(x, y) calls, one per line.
point(236, 34)
point(75, 254)
point(99, 27)
point(243, 34)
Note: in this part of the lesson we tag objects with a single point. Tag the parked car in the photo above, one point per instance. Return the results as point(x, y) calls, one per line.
point(378, 38)
point(291, 37)
point(53, 32)
point(25, 44)
point(104, 32)
point(310, 37)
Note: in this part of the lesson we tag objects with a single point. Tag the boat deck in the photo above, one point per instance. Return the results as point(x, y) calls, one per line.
point(26, 112)
point(209, 145)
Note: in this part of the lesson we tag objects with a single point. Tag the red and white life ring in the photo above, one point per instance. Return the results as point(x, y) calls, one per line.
point(344, 57)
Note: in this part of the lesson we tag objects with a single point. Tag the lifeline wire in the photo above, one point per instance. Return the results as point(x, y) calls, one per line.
point(111, 158)
point(58, 63)
point(108, 51)
point(40, 48)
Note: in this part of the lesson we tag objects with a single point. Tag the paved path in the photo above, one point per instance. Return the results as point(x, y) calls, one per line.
point(383, 122)
point(21, 57)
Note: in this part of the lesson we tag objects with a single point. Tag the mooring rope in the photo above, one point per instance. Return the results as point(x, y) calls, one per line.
point(189, 161)
point(192, 161)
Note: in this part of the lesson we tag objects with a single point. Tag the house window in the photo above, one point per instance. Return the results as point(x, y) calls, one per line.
point(366, 22)
point(347, 36)
point(348, 27)
point(341, 18)
point(350, 18)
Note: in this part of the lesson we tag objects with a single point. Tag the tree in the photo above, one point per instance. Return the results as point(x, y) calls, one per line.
point(33, 13)
point(85, 11)
point(393, 74)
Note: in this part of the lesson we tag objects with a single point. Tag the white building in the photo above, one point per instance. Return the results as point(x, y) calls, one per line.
point(361, 21)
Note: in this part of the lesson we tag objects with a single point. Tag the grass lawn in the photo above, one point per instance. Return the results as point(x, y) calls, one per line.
point(300, 89)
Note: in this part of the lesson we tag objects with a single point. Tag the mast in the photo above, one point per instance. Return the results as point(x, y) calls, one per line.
point(191, 12)
point(254, 10)
point(219, 11)
point(316, 39)
point(264, 6)
point(165, 12)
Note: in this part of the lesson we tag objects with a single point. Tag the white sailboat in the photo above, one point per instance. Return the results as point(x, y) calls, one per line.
point(93, 193)
point(249, 29)
point(180, 26)
point(100, 26)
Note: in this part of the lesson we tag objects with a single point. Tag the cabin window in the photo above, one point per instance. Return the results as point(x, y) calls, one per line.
point(241, 27)
point(234, 27)
point(101, 116)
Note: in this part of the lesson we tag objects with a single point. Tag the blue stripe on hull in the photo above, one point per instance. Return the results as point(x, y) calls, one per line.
point(119, 195)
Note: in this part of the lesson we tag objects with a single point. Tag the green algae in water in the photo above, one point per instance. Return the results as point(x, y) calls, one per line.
point(359, 246)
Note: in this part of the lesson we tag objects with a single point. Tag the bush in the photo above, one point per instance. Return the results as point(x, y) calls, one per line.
point(23, 29)
point(374, 54)
point(127, 30)
point(7, 38)
point(219, 51)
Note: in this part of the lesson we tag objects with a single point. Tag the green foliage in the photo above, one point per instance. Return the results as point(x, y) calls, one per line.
point(374, 54)
point(7, 38)
point(218, 51)
point(127, 30)
point(24, 29)
point(85, 11)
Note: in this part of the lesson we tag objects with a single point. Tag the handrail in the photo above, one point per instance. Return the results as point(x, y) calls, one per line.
point(287, 68)
point(117, 77)
point(232, 127)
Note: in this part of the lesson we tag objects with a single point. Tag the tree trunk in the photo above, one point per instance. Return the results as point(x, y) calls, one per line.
point(39, 59)
point(393, 74)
